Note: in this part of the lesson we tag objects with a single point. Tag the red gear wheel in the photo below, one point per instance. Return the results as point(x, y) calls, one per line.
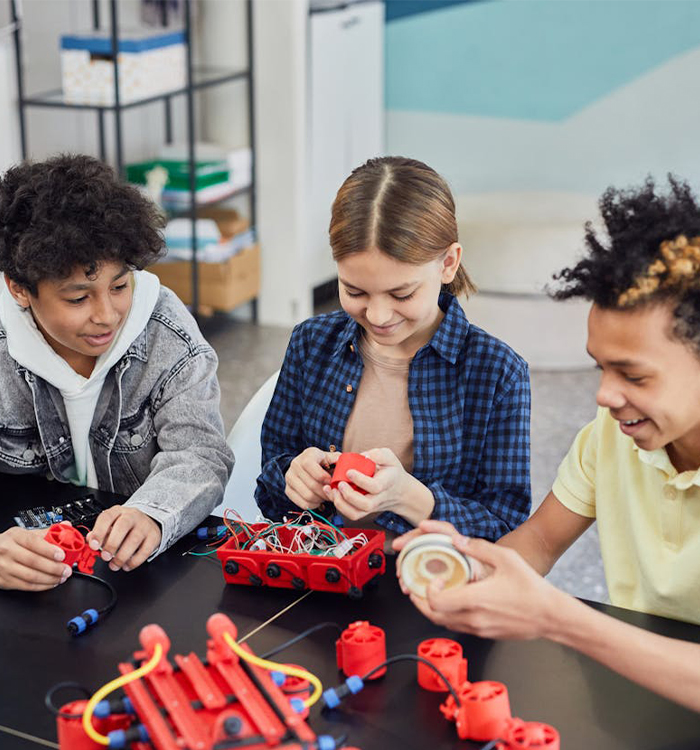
point(483, 712)
point(360, 648)
point(522, 735)
point(447, 656)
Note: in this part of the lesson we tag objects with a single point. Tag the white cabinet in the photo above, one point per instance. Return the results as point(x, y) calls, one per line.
point(346, 113)
point(319, 83)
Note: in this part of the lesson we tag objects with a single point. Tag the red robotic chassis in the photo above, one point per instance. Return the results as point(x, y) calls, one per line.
point(345, 575)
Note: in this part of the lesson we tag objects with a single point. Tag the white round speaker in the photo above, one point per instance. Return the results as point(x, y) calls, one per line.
point(432, 556)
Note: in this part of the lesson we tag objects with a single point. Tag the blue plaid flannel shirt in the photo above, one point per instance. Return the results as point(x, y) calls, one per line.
point(469, 396)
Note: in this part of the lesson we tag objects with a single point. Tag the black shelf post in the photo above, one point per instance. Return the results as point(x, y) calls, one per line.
point(192, 160)
point(17, 22)
point(118, 152)
point(100, 112)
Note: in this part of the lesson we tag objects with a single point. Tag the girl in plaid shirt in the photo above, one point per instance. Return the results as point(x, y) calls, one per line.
point(400, 374)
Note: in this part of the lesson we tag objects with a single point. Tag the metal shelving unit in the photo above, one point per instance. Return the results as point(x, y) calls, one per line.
point(198, 78)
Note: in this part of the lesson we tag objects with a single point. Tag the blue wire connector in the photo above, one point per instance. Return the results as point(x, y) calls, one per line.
point(210, 533)
point(79, 624)
point(119, 738)
point(325, 742)
point(333, 696)
point(114, 706)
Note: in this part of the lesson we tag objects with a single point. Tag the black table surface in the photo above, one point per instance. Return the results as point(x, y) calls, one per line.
point(592, 707)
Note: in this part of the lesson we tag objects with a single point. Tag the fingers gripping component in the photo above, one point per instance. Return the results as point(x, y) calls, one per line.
point(429, 557)
point(349, 461)
point(72, 542)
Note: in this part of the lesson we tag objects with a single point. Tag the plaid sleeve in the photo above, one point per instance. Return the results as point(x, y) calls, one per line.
point(281, 435)
point(502, 500)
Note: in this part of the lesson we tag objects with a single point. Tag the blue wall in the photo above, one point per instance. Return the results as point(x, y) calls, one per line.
point(545, 94)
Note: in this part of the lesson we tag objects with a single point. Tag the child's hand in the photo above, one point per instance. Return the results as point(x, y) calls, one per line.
point(391, 488)
point(307, 476)
point(29, 563)
point(459, 542)
point(126, 536)
point(513, 602)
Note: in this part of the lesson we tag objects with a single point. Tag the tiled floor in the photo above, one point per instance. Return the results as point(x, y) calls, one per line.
point(561, 403)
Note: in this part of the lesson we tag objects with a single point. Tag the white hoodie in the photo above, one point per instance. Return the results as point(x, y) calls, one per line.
point(27, 346)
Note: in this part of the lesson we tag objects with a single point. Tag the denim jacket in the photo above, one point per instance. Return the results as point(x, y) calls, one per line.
point(469, 396)
point(156, 435)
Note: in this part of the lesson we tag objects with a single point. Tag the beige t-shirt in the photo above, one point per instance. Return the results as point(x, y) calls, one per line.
point(380, 417)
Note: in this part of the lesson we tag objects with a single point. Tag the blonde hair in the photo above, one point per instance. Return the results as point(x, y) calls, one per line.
point(677, 269)
point(400, 206)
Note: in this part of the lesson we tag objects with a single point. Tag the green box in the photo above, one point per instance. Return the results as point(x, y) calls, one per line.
point(206, 173)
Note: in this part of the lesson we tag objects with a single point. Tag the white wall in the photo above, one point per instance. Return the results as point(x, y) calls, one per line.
point(222, 43)
point(320, 113)
point(538, 108)
point(280, 83)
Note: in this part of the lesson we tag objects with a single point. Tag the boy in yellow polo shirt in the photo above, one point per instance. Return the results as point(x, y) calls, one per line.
point(635, 469)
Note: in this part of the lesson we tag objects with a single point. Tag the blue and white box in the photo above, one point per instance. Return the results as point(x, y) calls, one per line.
point(150, 63)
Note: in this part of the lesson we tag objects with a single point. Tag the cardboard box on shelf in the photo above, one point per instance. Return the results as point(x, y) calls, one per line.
point(229, 221)
point(222, 286)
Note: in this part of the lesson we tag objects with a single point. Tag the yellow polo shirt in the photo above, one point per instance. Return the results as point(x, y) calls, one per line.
point(648, 518)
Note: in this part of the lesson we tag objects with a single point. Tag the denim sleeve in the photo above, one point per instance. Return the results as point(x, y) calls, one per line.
point(503, 498)
point(281, 437)
point(190, 471)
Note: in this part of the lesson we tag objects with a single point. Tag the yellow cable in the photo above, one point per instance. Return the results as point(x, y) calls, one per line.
point(110, 687)
point(284, 668)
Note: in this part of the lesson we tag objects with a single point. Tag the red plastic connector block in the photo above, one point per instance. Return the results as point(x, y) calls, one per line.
point(360, 648)
point(72, 542)
point(528, 735)
point(71, 733)
point(351, 461)
point(446, 655)
point(484, 710)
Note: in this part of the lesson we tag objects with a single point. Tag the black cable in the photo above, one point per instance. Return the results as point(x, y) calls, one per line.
point(344, 575)
point(90, 617)
point(414, 657)
point(253, 577)
point(300, 637)
point(211, 559)
point(491, 745)
point(112, 592)
point(48, 699)
point(298, 691)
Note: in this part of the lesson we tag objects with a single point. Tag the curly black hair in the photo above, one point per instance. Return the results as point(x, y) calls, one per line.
point(637, 221)
point(72, 210)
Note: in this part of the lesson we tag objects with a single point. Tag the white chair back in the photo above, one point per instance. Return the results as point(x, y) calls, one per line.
point(244, 440)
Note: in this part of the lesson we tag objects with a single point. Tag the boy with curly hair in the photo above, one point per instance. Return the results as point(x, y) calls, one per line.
point(106, 380)
point(635, 469)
